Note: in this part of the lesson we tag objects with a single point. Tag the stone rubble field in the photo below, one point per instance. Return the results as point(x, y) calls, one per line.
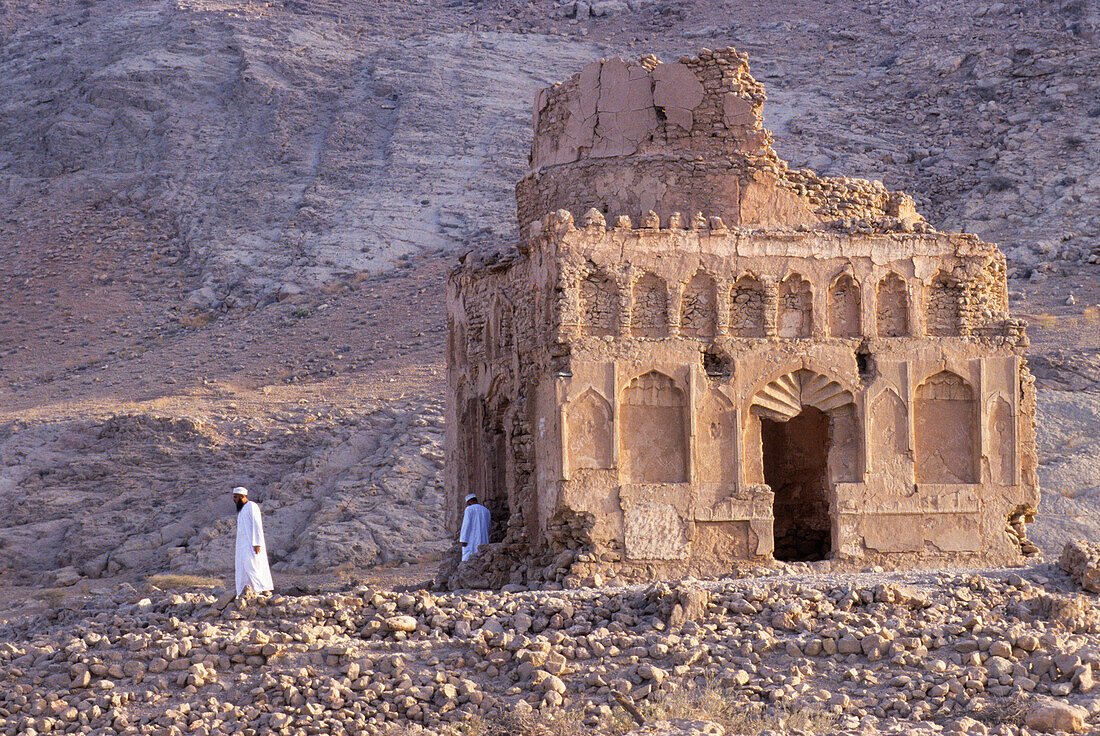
point(796, 650)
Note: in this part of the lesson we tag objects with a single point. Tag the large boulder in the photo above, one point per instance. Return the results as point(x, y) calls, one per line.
point(1054, 715)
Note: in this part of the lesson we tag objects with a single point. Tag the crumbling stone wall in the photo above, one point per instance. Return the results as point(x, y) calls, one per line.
point(892, 307)
point(666, 364)
point(699, 313)
point(747, 308)
point(649, 313)
point(629, 137)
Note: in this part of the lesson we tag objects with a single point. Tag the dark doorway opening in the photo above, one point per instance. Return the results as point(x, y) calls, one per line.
point(796, 456)
point(485, 455)
point(496, 493)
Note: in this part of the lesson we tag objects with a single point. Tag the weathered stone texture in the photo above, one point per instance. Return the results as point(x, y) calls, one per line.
point(1081, 560)
point(692, 392)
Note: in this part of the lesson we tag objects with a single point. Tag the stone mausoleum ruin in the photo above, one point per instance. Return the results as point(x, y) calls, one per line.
point(698, 357)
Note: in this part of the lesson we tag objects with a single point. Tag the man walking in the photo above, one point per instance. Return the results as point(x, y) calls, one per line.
point(475, 527)
point(251, 558)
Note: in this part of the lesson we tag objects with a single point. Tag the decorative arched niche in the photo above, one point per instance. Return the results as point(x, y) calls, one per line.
point(699, 307)
point(844, 307)
point(796, 308)
point(653, 430)
point(588, 420)
point(945, 430)
point(892, 307)
point(599, 305)
point(747, 307)
point(650, 315)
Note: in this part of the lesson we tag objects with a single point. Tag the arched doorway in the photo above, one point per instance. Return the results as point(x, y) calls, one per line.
point(484, 446)
point(807, 431)
point(796, 454)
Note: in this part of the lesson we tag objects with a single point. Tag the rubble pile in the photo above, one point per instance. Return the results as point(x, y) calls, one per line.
point(1081, 560)
point(1002, 653)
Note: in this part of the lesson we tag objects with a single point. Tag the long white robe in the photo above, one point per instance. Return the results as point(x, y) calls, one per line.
point(251, 566)
point(475, 529)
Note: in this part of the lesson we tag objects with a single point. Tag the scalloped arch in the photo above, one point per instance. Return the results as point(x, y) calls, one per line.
point(784, 397)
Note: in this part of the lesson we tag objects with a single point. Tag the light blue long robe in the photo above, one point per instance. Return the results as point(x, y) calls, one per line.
point(475, 529)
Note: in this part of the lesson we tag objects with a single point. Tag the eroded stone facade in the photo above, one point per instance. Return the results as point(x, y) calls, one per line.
point(697, 356)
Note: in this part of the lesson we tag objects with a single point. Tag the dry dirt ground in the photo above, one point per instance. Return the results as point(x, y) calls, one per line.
point(226, 228)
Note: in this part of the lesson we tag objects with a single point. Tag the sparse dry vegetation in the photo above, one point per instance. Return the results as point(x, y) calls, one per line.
point(711, 702)
point(169, 581)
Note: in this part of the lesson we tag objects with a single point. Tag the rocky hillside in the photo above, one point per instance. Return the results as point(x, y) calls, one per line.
point(226, 228)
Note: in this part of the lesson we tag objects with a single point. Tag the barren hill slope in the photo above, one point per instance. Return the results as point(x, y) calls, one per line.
point(226, 227)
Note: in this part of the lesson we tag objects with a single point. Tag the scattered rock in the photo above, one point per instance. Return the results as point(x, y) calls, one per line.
point(1051, 716)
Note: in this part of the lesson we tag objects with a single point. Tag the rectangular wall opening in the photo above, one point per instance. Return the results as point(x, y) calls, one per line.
point(796, 456)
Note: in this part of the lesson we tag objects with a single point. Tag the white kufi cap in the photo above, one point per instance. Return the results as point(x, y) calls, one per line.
point(470, 496)
point(240, 491)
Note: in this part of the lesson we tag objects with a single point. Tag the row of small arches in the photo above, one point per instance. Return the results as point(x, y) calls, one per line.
point(945, 442)
point(751, 311)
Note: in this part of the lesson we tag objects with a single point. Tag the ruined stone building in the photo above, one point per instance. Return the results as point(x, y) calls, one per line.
point(698, 356)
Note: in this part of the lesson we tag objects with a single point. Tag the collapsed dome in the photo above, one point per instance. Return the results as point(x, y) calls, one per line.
point(627, 138)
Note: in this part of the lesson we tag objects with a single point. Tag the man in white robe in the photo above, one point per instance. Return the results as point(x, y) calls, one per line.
point(475, 527)
point(251, 558)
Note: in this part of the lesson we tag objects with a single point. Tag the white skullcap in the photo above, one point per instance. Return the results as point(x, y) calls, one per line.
point(470, 496)
point(240, 491)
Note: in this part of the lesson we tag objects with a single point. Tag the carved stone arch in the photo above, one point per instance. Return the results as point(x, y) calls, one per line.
point(795, 317)
point(746, 317)
point(699, 306)
point(653, 430)
point(785, 396)
point(941, 305)
point(650, 315)
point(717, 445)
point(808, 442)
point(1002, 440)
point(892, 306)
point(945, 430)
point(844, 306)
point(599, 303)
point(589, 426)
point(888, 436)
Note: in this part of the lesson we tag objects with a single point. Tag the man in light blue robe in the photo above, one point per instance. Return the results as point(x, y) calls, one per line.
point(475, 527)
